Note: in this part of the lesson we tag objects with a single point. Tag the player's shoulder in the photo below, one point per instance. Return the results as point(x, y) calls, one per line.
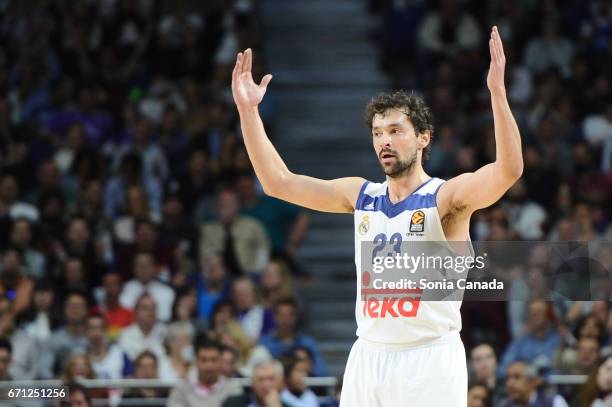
point(448, 187)
point(446, 195)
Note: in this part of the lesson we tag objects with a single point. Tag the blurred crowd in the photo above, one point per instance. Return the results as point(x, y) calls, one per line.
point(134, 239)
point(136, 242)
point(559, 84)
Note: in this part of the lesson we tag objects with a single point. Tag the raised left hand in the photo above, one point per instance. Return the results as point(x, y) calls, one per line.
point(495, 78)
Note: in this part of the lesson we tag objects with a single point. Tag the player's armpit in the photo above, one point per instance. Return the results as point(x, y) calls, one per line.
point(337, 195)
point(475, 190)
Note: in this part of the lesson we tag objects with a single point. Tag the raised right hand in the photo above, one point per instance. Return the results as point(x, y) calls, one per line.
point(244, 89)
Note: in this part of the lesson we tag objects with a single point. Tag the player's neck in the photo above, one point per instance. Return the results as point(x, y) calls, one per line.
point(401, 187)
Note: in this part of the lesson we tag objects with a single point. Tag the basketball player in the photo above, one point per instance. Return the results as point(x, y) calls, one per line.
point(416, 360)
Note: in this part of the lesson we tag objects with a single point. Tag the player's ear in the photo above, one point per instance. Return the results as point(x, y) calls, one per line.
point(424, 139)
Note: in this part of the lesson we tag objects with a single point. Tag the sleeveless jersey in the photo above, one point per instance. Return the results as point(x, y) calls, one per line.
point(405, 321)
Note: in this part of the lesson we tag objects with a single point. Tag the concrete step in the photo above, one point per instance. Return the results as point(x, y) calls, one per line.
point(333, 330)
point(333, 309)
point(351, 76)
point(325, 290)
point(336, 347)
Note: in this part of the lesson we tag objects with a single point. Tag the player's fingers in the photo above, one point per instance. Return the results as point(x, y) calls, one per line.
point(498, 44)
point(492, 50)
point(239, 64)
point(265, 81)
point(496, 56)
point(248, 60)
point(235, 70)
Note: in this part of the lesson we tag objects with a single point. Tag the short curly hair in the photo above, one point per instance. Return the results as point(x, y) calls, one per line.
point(410, 104)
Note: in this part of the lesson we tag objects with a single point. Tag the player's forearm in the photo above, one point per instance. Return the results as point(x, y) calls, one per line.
point(268, 165)
point(509, 156)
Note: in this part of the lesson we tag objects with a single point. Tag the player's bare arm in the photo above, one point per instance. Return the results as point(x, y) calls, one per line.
point(461, 196)
point(338, 195)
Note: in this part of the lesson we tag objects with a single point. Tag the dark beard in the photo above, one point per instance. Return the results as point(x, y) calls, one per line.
point(400, 167)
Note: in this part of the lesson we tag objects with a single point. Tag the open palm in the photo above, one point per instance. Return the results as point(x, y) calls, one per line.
point(244, 89)
point(495, 78)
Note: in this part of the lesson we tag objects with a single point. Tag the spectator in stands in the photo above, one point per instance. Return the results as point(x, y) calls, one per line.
point(130, 175)
point(597, 390)
point(276, 283)
point(208, 387)
point(52, 226)
point(286, 336)
point(10, 205)
point(285, 224)
point(174, 140)
point(197, 186)
point(117, 316)
point(124, 227)
point(177, 236)
point(145, 367)
point(591, 326)
point(213, 285)
point(78, 367)
point(107, 359)
point(146, 239)
point(14, 283)
point(527, 218)
point(582, 359)
point(78, 243)
point(303, 355)
point(90, 207)
point(223, 319)
point(597, 129)
point(145, 333)
point(483, 366)
point(549, 50)
point(67, 339)
point(253, 317)
point(179, 351)
point(296, 393)
point(74, 278)
point(241, 239)
point(249, 355)
point(145, 281)
point(78, 396)
point(185, 310)
point(522, 382)
point(139, 141)
point(21, 238)
point(229, 359)
point(540, 341)
point(479, 396)
point(6, 356)
point(449, 30)
point(266, 385)
point(41, 318)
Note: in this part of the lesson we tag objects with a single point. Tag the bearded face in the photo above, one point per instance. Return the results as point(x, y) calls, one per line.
point(396, 143)
point(392, 164)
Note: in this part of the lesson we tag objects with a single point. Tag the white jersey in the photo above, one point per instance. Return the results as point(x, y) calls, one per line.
point(404, 320)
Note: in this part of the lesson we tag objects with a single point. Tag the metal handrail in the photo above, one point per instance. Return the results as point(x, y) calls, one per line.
point(140, 383)
point(328, 381)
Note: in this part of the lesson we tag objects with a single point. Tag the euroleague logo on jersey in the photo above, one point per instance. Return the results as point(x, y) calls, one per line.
point(417, 222)
point(388, 302)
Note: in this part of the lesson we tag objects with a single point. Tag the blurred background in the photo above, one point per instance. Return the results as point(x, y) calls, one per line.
point(135, 241)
